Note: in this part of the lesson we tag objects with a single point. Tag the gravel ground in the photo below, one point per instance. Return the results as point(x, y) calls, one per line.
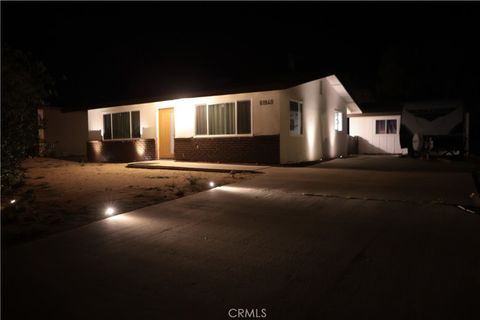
point(60, 195)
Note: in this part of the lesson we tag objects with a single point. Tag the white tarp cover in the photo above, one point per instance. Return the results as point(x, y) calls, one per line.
point(432, 118)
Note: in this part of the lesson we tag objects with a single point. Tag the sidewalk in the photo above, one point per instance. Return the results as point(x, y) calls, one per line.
point(196, 166)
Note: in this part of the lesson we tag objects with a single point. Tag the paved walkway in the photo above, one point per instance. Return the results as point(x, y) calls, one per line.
point(400, 164)
point(195, 166)
point(263, 243)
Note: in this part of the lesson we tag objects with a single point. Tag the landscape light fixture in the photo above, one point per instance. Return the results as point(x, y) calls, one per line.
point(13, 201)
point(211, 184)
point(110, 211)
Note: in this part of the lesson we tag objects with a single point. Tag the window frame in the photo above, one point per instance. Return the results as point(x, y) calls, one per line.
point(195, 119)
point(236, 134)
point(386, 127)
point(111, 125)
point(335, 121)
point(103, 126)
point(301, 134)
point(139, 124)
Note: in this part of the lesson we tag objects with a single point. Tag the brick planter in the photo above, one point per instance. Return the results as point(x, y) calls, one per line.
point(121, 150)
point(256, 149)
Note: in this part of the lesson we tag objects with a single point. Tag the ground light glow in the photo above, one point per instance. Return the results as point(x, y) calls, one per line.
point(211, 184)
point(110, 211)
point(13, 201)
point(243, 190)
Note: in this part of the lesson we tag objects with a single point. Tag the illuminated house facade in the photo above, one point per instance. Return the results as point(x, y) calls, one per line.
point(298, 124)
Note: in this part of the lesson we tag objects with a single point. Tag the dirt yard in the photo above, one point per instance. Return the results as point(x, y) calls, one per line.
point(59, 195)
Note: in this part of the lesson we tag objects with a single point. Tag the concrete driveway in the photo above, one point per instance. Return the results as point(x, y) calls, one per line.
point(361, 244)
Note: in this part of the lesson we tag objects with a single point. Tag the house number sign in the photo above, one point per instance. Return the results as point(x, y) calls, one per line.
point(266, 102)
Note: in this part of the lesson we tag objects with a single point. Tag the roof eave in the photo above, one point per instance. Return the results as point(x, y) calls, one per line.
point(352, 107)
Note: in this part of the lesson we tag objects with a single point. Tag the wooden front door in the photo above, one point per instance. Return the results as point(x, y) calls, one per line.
point(166, 133)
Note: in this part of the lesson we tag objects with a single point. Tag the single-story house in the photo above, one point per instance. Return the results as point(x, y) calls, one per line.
point(303, 123)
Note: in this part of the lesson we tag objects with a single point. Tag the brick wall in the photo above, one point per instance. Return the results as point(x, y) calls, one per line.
point(121, 150)
point(256, 149)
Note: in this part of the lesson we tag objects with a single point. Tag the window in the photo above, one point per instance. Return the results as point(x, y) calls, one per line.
point(107, 126)
point(380, 127)
point(136, 124)
point(243, 117)
point(338, 121)
point(296, 114)
point(201, 121)
point(221, 118)
point(121, 125)
point(391, 126)
point(386, 126)
point(224, 118)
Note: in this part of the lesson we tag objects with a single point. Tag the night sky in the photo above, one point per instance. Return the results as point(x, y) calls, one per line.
point(114, 52)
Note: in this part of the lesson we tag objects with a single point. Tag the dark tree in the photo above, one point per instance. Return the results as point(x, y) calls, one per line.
point(26, 85)
point(392, 79)
point(427, 70)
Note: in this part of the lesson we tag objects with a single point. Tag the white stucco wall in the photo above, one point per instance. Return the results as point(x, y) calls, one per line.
point(305, 147)
point(265, 118)
point(334, 143)
point(147, 119)
point(66, 131)
point(371, 143)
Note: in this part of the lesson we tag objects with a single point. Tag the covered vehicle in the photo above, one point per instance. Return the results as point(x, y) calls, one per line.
point(438, 128)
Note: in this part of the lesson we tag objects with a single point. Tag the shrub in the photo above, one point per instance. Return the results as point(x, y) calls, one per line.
point(25, 86)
